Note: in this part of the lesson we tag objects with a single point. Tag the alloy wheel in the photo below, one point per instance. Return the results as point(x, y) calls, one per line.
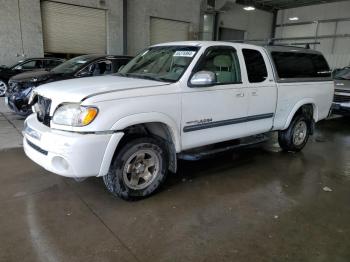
point(141, 169)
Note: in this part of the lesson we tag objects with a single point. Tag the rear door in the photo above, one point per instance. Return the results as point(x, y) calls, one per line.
point(261, 90)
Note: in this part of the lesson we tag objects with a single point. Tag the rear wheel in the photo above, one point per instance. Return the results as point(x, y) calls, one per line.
point(295, 137)
point(138, 170)
point(3, 88)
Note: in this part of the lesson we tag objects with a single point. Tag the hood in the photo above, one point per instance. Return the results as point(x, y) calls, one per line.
point(38, 75)
point(75, 90)
point(342, 84)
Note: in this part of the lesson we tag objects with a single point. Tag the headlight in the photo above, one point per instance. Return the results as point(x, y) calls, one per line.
point(74, 115)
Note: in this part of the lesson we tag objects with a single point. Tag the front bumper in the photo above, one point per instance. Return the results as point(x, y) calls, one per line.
point(341, 109)
point(69, 154)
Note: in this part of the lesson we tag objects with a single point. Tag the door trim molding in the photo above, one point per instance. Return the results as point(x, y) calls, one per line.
point(226, 122)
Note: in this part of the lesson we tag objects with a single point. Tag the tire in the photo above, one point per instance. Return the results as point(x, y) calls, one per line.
point(3, 88)
point(295, 137)
point(138, 169)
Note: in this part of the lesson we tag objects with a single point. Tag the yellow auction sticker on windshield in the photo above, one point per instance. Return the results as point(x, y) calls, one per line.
point(185, 53)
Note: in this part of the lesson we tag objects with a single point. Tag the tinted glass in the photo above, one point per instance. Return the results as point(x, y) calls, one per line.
point(255, 64)
point(117, 63)
point(160, 63)
point(343, 74)
point(300, 65)
point(223, 62)
point(32, 64)
point(72, 65)
point(101, 68)
point(51, 63)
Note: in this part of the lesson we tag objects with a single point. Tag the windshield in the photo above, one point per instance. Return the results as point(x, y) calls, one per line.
point(343, 74)
point(71, 65)
point(160, 63)
point(17, 64)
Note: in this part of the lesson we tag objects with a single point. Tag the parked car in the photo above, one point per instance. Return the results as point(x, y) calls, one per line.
point(21, 85)
point(29, 64)
point(182, 100)
point(341, 101)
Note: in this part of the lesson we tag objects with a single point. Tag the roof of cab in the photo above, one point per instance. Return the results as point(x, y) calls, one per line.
point(270, 48)
point(205, 43)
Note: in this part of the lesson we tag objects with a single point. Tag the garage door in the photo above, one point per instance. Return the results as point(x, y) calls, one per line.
point(73, 29)
point(164, 30)
point(226, 34)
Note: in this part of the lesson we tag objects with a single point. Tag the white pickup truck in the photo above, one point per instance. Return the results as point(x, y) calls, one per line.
point(175, 100)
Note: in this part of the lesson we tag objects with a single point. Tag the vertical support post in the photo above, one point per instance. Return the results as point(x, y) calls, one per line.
point(125, 27)
point(334, 37)
point(216, 26)
point(316, 33)
point(273, 29)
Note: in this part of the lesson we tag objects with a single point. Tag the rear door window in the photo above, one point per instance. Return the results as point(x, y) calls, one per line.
point(255, 64)
point(300, 65)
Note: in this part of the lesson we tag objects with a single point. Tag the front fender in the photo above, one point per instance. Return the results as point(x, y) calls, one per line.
point(296, 108)
point(152, 117)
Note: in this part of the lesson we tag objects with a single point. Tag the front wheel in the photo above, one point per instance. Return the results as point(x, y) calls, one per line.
point(295, 137)
point(138, 170)
point(3, 88)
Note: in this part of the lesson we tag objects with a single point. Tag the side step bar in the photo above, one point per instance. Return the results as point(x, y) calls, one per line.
point(209, 151)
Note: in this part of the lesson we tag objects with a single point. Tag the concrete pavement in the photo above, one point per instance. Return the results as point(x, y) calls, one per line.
point(11, 127)
point(257, 204)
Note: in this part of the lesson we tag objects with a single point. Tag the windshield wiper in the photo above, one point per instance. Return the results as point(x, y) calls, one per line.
point(155, 78)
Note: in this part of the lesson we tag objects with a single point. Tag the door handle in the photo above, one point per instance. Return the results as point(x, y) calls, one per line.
point(254, 93)
point(240, 95)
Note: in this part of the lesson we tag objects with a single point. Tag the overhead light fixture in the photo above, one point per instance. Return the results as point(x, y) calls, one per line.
point(249, 8)
point(294, 18)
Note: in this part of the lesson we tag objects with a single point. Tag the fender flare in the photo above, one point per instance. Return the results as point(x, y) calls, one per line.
point(297, 106)
point(143, 118)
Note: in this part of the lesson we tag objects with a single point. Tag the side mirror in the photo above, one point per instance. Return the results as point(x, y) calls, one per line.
point(203, 79)
point(19, 67)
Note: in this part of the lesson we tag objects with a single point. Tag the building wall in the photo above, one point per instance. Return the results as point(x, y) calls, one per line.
point(336, 49)
point(29, 16)
point(141, 11)
point(15, 15)
point(257, 24)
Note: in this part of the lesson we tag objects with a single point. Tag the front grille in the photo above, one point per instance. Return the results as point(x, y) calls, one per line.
point(42, 109)
point(342, 90)
point(341, 99)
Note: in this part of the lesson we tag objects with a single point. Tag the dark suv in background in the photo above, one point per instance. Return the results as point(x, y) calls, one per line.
point(21, 85)
point(341, 101)
point(29, 64)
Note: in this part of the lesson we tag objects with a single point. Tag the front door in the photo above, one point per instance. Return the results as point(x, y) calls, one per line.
point(216, 113)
